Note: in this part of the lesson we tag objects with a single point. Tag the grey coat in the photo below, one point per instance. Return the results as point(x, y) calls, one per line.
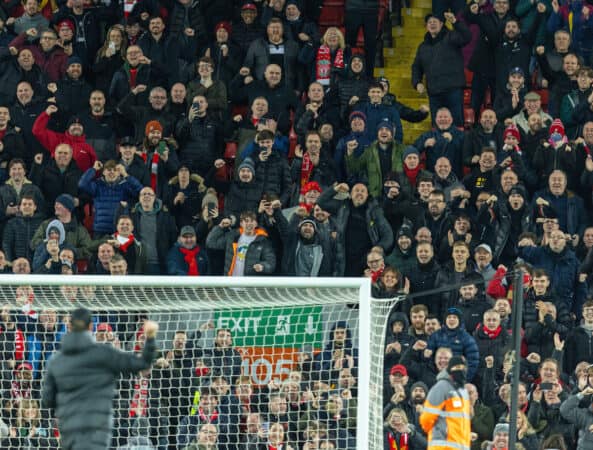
point(80, 384)
point(582, 418)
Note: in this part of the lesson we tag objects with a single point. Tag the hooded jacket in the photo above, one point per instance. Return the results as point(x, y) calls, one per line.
point(403, 337)
point(80, 382)
point(460, 342)
point(17, 234)
point(260, 251)
point(368, 165)
point(582, 418)
point(77, 237)
point(293, 242)
point(446, 415)
point(106, 197)
point(82, 152)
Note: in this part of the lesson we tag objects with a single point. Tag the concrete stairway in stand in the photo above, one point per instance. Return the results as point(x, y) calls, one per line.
point(398, 63)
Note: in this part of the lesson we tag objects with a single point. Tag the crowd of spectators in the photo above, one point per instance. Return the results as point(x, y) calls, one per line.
point(239, 138)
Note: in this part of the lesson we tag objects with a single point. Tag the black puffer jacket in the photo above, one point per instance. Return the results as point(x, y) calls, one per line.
point(352, 84)
point(14, 147)
point(17, 235)
point(274, 175)
point(53, 182)
point(181, 17)
point(441, 60)
point(81, 380)
point(24, 116)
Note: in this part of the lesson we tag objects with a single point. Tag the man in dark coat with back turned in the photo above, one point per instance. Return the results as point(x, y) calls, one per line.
point(80, 382)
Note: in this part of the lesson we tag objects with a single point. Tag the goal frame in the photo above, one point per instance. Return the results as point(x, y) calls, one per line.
point(363, 285)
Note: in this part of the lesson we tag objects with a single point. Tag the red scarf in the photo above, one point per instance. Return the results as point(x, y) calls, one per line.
point(190, 258)
point(403, 441)
point(412, 174)
point(139, 403)
point(19, 343)
point(124, 247)
point(133, 74)
point(377, 274)
point(213, 417)
point(306, 169)
point(128, 7)
point(18, 392)
point(324, 65)
point(154, 168)
point(492, 334)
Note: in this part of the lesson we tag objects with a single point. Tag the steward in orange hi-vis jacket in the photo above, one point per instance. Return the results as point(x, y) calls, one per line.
point(446, 414)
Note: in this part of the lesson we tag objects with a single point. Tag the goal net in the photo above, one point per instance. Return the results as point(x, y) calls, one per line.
point(242, 363)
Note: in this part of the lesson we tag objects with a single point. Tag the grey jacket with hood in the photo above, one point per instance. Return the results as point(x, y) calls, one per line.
point(80, 383)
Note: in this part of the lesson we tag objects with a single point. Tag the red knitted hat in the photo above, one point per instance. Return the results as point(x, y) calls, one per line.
point(557, 127)
point(153, 125)
point(512, 130)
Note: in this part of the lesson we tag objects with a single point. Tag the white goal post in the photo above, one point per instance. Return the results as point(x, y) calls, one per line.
point(261, 313)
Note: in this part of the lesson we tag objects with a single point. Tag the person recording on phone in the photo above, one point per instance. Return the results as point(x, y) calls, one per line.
point(200, 137)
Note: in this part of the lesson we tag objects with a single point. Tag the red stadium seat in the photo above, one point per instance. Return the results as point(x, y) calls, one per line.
point(230, 151)
point(82, 265)
point(336, 3)
point(331, 16)
point(239, 109)
point(468, 117)
point(469, 76)
point(292, 143)
point(544, 94)
point(467, 97)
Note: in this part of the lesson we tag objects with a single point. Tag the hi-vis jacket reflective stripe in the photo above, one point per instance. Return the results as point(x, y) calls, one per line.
point(446, 416)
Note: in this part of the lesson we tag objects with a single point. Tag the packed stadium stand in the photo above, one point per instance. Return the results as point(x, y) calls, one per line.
point(439, 148)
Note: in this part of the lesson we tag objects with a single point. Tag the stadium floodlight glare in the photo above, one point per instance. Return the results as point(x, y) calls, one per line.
point(275, 323)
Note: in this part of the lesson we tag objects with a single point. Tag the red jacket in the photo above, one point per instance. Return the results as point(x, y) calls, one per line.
point(82, 152)
point(53, 63)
